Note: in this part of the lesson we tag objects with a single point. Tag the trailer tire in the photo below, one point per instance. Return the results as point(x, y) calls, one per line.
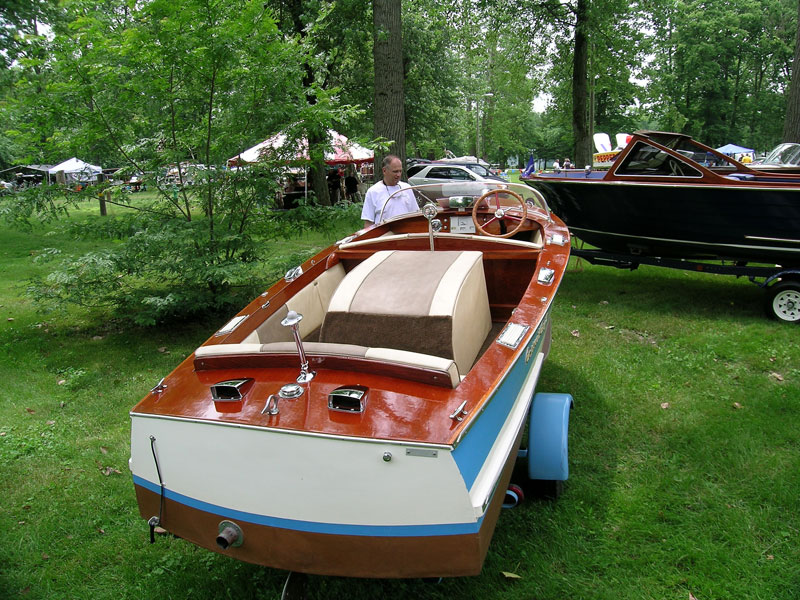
point(783, 301)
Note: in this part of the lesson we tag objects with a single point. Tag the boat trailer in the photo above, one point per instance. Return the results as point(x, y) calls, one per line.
point(782, 285)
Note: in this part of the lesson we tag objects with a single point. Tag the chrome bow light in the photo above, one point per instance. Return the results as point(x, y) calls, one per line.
point(429, 211)
point(291, 320)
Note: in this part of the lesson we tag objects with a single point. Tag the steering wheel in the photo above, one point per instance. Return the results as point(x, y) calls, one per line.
point(676, 168)
point(500, 213)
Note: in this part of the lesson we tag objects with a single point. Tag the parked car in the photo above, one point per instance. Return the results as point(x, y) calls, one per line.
point(439, 172)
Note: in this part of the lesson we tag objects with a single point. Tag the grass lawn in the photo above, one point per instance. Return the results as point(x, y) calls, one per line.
point(684, 452)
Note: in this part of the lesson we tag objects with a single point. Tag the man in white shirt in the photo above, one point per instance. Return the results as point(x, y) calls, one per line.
point(402, 202)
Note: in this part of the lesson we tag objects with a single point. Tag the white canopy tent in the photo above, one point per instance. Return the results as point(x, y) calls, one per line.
point(343, 151)
point(76, 170)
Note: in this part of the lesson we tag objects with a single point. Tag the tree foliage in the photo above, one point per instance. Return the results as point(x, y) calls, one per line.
point(158, 86)
point(721, 70)
point(174, 87)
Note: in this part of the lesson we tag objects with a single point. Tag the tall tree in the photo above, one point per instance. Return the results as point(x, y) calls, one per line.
point(791, 126)
point(580, 86)
point(389, 116)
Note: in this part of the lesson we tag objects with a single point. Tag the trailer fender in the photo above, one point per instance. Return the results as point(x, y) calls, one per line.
point(548, 426)
point(787, 275)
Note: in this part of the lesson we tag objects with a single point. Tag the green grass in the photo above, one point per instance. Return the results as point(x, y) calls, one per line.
point(699, 497)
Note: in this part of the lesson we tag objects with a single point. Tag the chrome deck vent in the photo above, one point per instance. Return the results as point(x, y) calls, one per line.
point(230, 390)
point(351, 399)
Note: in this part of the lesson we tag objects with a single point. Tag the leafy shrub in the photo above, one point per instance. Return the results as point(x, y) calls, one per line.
point(171, 268)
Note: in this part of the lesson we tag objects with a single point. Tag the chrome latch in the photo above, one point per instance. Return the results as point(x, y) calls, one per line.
point(293, 274)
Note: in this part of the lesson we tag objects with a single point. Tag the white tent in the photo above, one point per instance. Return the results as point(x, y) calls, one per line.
point(342, 151)
point(76, 170)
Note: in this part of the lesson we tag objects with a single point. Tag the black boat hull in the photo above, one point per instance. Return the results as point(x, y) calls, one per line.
point(748, 224)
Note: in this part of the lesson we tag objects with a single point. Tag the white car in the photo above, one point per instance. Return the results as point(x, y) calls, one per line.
point(442, 172)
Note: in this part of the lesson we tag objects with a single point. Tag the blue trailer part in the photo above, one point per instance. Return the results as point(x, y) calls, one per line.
point(548, 427)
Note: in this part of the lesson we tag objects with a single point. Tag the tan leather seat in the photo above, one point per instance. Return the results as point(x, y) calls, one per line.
point(431, 303)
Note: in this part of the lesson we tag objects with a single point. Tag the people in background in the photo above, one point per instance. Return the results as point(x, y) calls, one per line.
point(351, 182)
point(334, 185)
point(389, 197)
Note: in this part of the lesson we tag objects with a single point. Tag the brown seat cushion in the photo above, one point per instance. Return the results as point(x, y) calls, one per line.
point(426, 302)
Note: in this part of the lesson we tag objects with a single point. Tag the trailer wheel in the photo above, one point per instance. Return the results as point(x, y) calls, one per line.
point(783, 301)
point(546, 489)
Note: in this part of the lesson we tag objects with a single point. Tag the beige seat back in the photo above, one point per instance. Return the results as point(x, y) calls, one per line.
point(311, 302)
point(431, 303)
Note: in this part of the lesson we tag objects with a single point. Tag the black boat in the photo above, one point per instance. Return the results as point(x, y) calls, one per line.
point(670, 198)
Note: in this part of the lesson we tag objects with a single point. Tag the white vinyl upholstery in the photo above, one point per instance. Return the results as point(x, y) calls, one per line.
point(432, 303)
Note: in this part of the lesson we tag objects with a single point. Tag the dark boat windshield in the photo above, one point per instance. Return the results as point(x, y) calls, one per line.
point(647, 160)
point(783, 154)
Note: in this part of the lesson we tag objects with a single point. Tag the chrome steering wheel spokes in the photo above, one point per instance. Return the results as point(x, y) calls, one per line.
point(502, 212)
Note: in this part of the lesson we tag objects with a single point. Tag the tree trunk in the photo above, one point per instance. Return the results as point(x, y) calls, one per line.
point(791, 126)
point(389, 118)
point(317, 171)
point(580, 130)
point(317, 140)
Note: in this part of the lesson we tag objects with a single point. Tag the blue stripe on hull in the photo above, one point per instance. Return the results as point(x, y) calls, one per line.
point(469, 456)
point(474, 448)
point(390, 531)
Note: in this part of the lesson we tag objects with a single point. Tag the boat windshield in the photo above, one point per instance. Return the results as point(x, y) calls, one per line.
point(783, 154)
point(647, 160)
point(463, 195)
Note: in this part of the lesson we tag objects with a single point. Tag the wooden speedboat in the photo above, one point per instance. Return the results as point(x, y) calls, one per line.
point(363, 415)
point(668, 195)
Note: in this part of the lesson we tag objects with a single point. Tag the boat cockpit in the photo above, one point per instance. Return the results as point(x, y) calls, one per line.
point(420, 297)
